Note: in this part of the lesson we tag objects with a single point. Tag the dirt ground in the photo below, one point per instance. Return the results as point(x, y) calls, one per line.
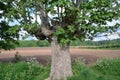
point(43, 55)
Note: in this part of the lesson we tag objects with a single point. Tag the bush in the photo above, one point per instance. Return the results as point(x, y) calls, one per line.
point(23, 71)
point(82, 72)
point(33, 43)
point(43, 43)
point(27, 43)
point(108, 67)
point(17, 57)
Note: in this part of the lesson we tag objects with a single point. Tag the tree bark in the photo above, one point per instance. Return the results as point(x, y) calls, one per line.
point(61, 61)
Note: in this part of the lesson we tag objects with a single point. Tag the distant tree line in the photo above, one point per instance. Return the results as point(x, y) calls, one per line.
point(96, 43)
point(33, 43)
point(100, 44)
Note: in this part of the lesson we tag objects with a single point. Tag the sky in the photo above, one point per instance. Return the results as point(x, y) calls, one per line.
point(110, 37)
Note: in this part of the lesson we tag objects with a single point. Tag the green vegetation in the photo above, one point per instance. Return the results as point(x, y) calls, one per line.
point(109, 67)
point(96, 43)
point(114, 44)
point(106, 69)
point(23, 71)
point(33, 43)
point(8, 35)
point(105, 44)
point(71, 20)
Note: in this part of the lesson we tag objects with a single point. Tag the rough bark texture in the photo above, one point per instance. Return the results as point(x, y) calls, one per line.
point(61, 62)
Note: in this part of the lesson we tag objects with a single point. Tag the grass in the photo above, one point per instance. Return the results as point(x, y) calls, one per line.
point(106, 69)
point(23, 71)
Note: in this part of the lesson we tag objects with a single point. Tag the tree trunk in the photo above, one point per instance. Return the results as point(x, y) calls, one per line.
point(61, 61)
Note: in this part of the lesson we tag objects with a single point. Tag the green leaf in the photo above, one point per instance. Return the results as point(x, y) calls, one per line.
point(60, 31)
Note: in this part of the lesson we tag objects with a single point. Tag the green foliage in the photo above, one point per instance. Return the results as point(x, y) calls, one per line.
point(108, 44)
point(17, 57)
point(31, 28)
point(81, 72)
point(23, 71)
point(8, 44)
point(8, 35)
point(106, 69)
point(60, 31)
point(76, 20)
point(33, 43)
point(88, 19)
point(65, 37)
point(44, 43)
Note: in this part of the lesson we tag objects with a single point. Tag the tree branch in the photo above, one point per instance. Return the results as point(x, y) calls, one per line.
point(73, 1)
point(45, 25)
point(77, 2)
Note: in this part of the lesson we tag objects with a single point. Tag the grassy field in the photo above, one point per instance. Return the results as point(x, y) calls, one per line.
point(106, 69)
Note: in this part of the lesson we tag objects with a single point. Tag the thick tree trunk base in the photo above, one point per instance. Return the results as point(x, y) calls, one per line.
point(61, 62)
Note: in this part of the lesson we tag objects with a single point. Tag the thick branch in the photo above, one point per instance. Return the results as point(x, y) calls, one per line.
point(44, 18)
point(45, 25)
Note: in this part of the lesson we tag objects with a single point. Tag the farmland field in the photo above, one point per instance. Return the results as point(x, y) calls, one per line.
point(44, 53)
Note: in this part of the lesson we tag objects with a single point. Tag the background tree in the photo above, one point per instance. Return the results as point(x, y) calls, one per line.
point(68, 20)
point(8, 35)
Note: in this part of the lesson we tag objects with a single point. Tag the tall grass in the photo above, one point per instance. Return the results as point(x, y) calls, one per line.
point(106, 69)
point(23, 71)
point(82, 72)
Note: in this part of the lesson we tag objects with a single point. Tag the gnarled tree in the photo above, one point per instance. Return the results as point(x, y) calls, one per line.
point(63, 21)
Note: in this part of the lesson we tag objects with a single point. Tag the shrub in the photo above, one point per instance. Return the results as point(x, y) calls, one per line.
point(17, 57)
point(82, 72)
point(106, 69)
point(43, 43)
point(23, 71)
point(108, 66)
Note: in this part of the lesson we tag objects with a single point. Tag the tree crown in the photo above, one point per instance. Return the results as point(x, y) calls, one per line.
point(66, 19)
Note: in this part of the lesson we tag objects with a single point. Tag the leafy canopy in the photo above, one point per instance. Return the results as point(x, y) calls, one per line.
point(66, 19)
point(8, 34)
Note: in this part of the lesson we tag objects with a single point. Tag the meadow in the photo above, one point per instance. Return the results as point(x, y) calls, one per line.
point(105, 69)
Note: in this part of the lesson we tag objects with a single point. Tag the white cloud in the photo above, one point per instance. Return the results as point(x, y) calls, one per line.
point(34, 18)
point(113, 22)
point(110, 37)
point(1, 11)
